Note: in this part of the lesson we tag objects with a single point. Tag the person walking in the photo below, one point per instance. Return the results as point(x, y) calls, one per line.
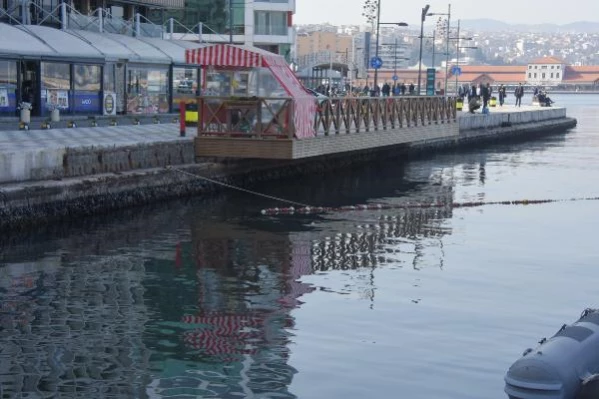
point(519, 92)
point(386, 90)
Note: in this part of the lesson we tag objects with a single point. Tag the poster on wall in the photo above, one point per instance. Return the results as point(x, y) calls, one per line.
point(109, 103)
point(63, 99)
point(4, 103)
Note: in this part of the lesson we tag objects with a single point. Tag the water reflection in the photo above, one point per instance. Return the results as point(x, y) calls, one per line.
point(196, 299)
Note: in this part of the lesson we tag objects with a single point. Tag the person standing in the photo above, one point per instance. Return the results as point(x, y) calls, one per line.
point(501, 94)
point(519, 92)
point(386, 90)
point(485, 92)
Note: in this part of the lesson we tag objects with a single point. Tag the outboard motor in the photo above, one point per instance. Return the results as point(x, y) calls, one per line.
point(561, 367)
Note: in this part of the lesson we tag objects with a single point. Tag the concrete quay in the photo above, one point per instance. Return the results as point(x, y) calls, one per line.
point(48, 175)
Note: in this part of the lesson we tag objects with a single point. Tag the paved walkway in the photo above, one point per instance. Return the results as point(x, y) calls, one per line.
point(20, 140)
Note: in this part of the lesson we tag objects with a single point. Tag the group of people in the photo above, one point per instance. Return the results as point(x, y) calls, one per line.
point(397, 89)
point(480, 96)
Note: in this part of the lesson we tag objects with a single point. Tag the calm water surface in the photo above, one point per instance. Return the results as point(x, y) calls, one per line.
point(208, 299)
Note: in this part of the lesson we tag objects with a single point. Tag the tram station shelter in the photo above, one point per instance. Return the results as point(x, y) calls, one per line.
point(234, 71)
point(91, 73)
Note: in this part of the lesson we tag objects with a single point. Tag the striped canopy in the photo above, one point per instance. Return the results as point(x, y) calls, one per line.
point(233, 56)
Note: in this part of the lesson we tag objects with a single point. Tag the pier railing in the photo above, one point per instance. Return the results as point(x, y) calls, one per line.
point(273, 117)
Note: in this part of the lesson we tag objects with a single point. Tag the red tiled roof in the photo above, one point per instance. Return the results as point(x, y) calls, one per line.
point(581, 74)
point(492, 74)
point(548, 60)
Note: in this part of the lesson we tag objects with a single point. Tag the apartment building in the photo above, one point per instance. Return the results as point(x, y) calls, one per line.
point(267, 24)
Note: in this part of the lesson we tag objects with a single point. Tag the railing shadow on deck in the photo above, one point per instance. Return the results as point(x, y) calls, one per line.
point(263, 117)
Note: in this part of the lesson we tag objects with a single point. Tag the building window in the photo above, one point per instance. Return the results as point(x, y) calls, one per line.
point(557, 67)
point(544, 67)
point(552, 66)
point(56, 82)
point(536, 66)
point(529, 75)
point(147, 90)
point(270, 23)
point(185, 86)
point(530, 67)
point(551, 75)
point(535, 75)
point(8, 87)
point(557, 75)
point(87, 84)
point(543, 75)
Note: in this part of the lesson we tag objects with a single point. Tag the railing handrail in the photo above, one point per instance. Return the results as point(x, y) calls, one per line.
point(344, 115)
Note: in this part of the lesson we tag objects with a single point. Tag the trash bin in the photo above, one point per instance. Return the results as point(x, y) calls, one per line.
point(55, 115)
point(493, 102)
point(26, 116)
point(459, 104)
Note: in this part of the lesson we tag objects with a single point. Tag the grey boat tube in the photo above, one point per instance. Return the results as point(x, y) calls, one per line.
point(561, 367)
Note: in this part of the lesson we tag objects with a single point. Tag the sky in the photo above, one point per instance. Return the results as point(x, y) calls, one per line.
point(339, 12)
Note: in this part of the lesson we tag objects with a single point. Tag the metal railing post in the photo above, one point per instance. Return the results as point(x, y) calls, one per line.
point(101, 19)
point(63, 16)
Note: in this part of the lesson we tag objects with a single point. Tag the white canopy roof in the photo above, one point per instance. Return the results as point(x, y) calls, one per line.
point(34, 41)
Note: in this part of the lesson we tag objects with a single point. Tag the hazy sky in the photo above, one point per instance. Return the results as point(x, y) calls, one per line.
point(339, 12)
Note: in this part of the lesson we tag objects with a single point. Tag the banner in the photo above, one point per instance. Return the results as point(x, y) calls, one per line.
point(109, 103)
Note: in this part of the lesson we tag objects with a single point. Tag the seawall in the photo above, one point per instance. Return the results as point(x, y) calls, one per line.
point(95, 179)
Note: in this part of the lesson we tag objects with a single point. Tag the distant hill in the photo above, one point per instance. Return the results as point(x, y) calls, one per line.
point(492, 25)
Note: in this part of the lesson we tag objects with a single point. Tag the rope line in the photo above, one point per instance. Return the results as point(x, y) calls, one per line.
point(220, 183)
point(308, 209)
point(317, 210)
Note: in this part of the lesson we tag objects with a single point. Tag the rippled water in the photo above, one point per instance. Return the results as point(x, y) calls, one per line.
point(206, 298)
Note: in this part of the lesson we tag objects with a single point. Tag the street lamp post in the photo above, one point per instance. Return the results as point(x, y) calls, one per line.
point(422, 18)
point(447, 47)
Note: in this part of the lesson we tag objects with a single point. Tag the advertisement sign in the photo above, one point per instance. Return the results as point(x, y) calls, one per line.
point(87, 102)
point(430, 81)
point(4, 98)
point(109, 103)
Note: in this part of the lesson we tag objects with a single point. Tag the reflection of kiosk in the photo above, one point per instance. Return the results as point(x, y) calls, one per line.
point(251, 92)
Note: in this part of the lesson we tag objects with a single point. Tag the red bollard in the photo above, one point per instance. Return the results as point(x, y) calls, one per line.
point(182, 118)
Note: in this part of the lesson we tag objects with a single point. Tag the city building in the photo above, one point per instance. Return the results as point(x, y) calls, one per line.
point(266, 24)
point(316, 42)
point(545, 71)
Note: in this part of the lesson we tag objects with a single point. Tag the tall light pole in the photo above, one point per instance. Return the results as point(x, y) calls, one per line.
point(422, 18)
point(230, 21)
point(447, 47)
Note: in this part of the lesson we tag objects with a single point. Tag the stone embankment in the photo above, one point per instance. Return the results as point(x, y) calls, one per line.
point(57, 174)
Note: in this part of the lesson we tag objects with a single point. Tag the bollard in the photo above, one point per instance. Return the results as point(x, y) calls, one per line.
point(182, 118)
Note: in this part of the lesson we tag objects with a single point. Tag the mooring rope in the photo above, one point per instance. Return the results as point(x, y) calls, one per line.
point(308, 209)
point(220, 183)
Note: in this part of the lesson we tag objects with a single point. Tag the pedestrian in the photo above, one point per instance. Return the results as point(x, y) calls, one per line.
point(403, 88)
point(411, 89)
point(501, 95)
point(485, 92)
point(386, 90)
point(519, 92)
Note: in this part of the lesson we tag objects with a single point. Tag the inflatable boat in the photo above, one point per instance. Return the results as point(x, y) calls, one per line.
point(565, 366)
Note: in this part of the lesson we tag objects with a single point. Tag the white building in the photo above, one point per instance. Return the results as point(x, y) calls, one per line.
point(267, 24)
point(546, 71)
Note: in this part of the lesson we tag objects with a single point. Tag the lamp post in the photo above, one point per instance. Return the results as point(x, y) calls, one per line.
point(448, 15)
point(369, 7)
point(422, 18)
point(230, 21)
point(458, 47)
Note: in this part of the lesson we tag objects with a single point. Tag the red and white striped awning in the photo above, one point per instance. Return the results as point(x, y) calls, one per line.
point(224, 55)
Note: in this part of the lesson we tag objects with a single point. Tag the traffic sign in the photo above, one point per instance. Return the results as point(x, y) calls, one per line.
point(456, 70)
point(395, 77)
point(376, 62)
